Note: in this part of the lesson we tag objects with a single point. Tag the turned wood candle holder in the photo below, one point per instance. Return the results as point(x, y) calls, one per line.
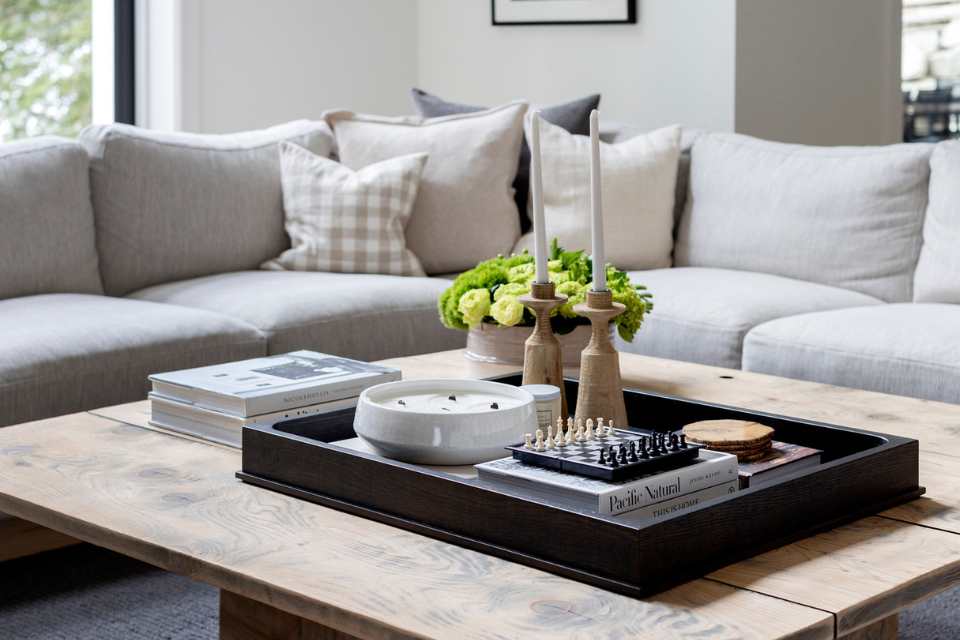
point(542, 358)
point(600, 393)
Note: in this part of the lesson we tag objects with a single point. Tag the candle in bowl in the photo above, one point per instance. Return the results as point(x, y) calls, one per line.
point(596, 206)
point(444, 422)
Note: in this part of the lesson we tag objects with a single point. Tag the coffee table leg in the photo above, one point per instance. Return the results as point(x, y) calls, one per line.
point(885, 629)
point(245, 619)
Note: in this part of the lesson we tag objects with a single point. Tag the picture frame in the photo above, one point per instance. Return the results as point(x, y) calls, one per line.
point(555, 12)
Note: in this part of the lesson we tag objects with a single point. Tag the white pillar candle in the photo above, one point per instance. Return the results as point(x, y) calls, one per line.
point(596, 206)
point(536, 193)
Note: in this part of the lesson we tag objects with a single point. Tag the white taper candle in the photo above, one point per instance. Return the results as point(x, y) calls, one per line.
point(596, 206)
point(536, 193)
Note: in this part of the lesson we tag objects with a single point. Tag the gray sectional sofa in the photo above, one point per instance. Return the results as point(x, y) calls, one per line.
point(129, 252)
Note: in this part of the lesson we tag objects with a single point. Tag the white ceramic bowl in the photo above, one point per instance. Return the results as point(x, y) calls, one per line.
point(416, 421)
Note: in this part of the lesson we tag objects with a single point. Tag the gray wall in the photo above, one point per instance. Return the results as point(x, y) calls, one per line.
point(819, 71)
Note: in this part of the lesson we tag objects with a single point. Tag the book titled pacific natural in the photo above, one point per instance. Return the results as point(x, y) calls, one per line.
point(711, 470)
point(273, 383)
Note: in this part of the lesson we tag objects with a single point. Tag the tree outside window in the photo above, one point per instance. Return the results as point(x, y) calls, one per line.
point(45, 67)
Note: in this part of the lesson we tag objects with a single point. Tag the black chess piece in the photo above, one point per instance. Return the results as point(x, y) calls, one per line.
point(602, 459)
point(623, 455)
point(683, 441)
point(633, 452)
point(643, 451)
point(674, 442)
point(613, 459)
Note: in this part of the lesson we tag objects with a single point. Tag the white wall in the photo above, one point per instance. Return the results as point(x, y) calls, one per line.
point(243, 64)
point(675, 65)
point(819, 71)
point(813, 71)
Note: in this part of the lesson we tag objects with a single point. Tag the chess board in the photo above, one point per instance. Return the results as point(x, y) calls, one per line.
point(664, 450)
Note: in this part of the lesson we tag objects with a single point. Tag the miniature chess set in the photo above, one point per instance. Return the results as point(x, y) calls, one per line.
point(603, 451)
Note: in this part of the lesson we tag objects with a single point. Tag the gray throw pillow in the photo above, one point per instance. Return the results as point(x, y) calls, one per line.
point(573, 116)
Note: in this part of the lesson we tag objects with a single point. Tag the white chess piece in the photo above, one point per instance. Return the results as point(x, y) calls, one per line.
point(539, 445)
point(550, 443)
point(589, 433)
point(569, 438)
point(528, 441)
point(610, 427)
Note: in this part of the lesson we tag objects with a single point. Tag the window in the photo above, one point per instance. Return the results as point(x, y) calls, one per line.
point(63, 65)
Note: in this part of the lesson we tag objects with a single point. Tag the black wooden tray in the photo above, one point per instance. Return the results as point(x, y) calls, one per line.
point(861, 473)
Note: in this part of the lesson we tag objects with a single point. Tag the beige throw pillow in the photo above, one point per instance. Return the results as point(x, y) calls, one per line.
point(347, 221)
point(465, 211)
point(639, 177)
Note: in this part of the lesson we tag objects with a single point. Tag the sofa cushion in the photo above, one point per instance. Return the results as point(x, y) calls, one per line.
point(701, 315)
point(848, 217)
point(355, 315)
point(170, 206)
point(906, 349)
point(938, 272)
point(573, 116)
point(348, 221)
point(46, 221)
point(69, 352)
point(465, 210)
point(639, 179)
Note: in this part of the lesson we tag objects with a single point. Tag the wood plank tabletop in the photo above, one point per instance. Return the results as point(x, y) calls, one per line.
point(174, 503)
point(862, 572)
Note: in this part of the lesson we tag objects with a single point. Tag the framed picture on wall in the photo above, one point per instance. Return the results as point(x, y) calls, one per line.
point(521, 12)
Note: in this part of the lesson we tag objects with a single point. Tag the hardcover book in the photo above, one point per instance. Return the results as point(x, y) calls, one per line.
point(225, 428)
point(712, 468)
point(783, 458)
point(274, 383)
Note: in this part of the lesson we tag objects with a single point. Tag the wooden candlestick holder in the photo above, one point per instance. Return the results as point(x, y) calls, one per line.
point(542, 358)
point(600, 393)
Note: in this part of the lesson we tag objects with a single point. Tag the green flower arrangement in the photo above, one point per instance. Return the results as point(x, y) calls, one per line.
point(489, 292)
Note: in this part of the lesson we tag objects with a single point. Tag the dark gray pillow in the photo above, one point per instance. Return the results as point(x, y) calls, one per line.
point(573, 116)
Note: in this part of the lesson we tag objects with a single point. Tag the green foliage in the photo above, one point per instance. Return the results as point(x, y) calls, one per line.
point(508, 277)
point(45, 67)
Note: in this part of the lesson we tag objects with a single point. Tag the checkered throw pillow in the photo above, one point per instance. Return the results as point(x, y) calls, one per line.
point(348, 221)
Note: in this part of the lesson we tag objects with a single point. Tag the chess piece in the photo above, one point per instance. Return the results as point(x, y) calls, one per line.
point(569, 437)
point(550, 444)
point(613, 459)
point(622, 455)
point(589, 432)
point(683, 441)
point(610, 427)
point(542, 358)
point(539, 444)
point(579, 437)
point(559, 440)
point(601, 390)
point(527, 441)
point(600, 428)
point(602, 459)
point(633, 451)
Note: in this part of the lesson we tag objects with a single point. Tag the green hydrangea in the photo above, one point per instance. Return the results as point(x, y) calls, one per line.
point(467, 301)
point(474, 306)
point(507, 311)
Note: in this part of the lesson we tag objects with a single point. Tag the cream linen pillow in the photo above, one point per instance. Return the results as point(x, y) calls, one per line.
point(465, 211)
point(347, 221)
point(639, 177)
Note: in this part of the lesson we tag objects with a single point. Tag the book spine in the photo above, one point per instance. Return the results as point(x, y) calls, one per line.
point(679, 504)
point(295, 398)
point(668, 485)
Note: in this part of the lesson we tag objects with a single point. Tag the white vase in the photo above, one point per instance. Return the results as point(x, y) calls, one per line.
point(504, 345)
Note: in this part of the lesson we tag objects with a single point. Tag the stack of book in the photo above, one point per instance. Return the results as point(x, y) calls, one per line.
point(712, 475)
point(214, 403)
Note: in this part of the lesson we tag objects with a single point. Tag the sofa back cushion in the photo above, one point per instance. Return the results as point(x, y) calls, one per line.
point(465, 211)
point(46, 221)
point(171, 206)
point(849, 217)
point(938, 271)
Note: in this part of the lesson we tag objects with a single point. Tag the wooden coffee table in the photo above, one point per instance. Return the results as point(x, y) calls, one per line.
point(291, 569)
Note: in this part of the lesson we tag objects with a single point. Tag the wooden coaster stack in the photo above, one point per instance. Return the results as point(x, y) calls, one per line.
point(749, 441)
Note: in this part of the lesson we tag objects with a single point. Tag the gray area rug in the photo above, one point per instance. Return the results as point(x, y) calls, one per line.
point(86, 593)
